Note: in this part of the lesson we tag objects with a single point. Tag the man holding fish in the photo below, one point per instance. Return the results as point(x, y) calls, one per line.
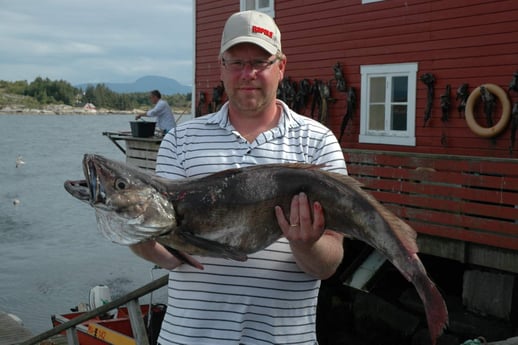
point(270, 298)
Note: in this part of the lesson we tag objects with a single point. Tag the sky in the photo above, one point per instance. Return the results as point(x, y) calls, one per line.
point(95, 41)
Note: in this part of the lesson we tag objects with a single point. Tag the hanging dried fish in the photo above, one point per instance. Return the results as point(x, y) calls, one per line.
point(514, 126)
point(302, 95)
point(445, 103)
point(513, 85)
point(316, 102)
point(201, 102)
point(351, 108)
point(462, 95)
point(286, 91)
point(429, 80)
point(325, 96)
point(488, 99)
point(339, 77)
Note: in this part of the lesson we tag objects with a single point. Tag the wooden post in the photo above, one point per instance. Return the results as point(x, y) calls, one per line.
point(137, 323)
point(72, 338)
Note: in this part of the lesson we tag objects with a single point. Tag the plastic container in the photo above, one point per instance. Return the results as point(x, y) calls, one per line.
point(100, 295)
point(142, 129)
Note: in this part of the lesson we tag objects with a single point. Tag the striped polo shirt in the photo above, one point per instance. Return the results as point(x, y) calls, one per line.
point(267, 299)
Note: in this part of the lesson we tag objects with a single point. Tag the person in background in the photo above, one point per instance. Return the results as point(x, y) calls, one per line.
point(271, 298)
point(162, 111)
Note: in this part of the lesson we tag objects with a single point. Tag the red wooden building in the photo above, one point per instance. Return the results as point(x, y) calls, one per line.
point(408, 63)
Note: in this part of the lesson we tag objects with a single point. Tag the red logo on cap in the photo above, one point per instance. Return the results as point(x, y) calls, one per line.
point(260, 30)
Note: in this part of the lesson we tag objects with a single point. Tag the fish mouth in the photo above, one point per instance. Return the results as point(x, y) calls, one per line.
point(78, 189)
point(95, 187)
point(90, 189)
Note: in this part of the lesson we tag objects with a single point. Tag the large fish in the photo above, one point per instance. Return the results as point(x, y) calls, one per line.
point(231, 214)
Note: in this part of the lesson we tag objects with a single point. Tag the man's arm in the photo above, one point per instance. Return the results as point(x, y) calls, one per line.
point(156, 253)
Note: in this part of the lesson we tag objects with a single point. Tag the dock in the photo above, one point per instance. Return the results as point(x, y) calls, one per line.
point(13, 332)
point(139, 152)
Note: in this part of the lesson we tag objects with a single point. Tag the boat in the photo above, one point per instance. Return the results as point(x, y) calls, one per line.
point(115, 327)
point(102, 323)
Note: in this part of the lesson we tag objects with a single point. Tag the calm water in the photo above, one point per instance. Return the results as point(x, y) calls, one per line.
point(51, 253)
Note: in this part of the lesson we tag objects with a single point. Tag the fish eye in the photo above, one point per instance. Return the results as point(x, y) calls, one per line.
point(120, 184)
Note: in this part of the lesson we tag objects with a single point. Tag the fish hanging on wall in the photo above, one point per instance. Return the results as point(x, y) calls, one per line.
point(462, 96)
point(514, 126)
point(351, 108)
point(302, 96)
point(339, 77)
point(429, 80)
point(513, 85)
point(445, 103)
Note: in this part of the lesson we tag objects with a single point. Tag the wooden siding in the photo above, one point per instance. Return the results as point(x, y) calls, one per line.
point(455, 197)
point(463, 41)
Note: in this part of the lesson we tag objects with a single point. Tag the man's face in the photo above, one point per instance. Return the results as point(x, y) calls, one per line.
point(251, 76)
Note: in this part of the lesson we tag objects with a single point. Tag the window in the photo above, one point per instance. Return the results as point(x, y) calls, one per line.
point(369, 1)
point(266, 6)
point(388, 104)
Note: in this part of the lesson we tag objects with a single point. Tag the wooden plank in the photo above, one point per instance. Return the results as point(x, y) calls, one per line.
point(142, 154)
point(469, 208)
point(465, 235)
point(500, 190)
point(143, 145)
point(143, 164)
point(11, 331)
point(456, 220)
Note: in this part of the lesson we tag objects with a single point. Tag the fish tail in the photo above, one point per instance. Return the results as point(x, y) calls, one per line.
point(435, 308)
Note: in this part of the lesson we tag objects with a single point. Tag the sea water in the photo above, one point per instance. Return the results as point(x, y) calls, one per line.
point(51, 253)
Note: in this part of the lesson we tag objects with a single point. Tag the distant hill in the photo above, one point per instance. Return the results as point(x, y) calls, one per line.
point(166, 86)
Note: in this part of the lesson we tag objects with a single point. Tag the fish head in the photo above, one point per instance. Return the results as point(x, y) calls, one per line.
point(128, 202)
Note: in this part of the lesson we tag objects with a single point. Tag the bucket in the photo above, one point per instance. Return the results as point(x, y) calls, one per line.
point(99, 296)
point(142, 129)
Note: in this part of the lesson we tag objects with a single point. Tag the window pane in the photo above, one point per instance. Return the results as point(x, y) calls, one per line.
point(399, 117)
point(249, 5)
point(263, 4)
point(399, 89)
point(377, 90)
point(377, 117)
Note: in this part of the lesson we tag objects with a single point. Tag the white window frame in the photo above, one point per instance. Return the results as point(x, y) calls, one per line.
point(254, 5)
point(369, 1)
point(387, 136)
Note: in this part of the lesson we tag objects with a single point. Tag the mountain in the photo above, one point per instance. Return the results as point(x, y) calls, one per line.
point(166, 86)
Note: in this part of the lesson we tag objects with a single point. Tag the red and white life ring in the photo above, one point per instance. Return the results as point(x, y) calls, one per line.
point(488, 132)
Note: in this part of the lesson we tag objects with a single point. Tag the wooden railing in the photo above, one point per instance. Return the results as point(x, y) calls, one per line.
point(139, 152)
point(131, 301)
point(460, 198)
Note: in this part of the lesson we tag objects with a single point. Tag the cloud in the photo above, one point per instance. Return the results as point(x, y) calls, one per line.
point(96, 40)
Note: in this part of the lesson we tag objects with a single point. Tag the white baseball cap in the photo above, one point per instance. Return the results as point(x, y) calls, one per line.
point(251, 27)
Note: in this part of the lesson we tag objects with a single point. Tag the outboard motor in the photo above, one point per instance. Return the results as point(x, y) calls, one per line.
point(99, 296)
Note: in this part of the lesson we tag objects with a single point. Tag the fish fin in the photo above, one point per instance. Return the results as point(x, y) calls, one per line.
point(215, 249)
point(186, 259)
point(401, 229)
point(435, 307)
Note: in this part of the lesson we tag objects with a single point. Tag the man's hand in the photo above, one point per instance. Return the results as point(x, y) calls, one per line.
point(317, 251)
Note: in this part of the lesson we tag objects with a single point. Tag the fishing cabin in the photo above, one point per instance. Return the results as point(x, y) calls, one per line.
point(422, 96)
point(397, 78)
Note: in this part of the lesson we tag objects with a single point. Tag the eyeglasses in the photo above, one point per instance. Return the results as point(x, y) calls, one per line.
point(239, 65)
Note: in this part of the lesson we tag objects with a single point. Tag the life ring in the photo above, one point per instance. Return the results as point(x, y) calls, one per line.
point(488, 132)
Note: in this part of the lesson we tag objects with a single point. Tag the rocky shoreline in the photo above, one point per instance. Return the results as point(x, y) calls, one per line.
point(60, 109)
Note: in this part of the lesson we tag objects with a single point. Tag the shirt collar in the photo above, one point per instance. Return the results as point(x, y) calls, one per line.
point(287, 121)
